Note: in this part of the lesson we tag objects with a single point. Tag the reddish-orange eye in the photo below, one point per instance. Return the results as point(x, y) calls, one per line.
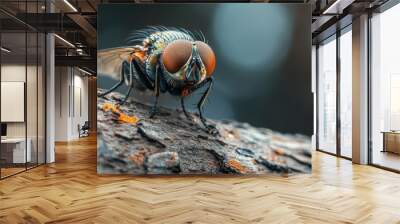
point(207, 56)
point(176, 54)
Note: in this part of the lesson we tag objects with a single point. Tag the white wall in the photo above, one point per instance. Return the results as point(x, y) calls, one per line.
point(70, 84)
point(61, 104)
point(81, 102)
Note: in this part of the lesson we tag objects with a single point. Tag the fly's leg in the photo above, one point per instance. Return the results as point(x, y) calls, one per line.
point(127, 94)
point(139, 68)
point(210, 128)
point(156, 93)
point(184, 109)
point(130, 83)
point(190, 91)
point(125, 65)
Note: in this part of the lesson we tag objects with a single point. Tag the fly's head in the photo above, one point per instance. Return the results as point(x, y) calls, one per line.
point(189, 62)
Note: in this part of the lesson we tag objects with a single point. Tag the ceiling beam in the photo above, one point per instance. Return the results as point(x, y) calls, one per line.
point(337, 7)
point(320, 22)
point(86, 27)
point(77, 61)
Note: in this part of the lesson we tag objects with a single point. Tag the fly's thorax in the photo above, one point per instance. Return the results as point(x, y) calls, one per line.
point(159, 40)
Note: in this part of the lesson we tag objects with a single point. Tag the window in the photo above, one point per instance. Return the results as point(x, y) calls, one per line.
point(385, 89)
point(327, 95)
point(346, 93)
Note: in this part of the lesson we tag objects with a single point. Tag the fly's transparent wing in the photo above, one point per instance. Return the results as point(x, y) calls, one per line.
point(109, 61)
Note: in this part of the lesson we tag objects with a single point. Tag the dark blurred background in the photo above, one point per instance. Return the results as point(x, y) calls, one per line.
point(263, 73)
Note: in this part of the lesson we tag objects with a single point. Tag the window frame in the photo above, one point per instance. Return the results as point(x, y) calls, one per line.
point(334, 37)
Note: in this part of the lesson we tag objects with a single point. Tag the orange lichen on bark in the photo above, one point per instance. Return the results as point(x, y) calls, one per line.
point(277, 138)
point(138, 158)
point(279, 151)
point(121, 116)
point(128, 119)
point(237, 166)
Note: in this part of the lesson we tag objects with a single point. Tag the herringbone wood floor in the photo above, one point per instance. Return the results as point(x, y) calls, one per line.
point(70, 191)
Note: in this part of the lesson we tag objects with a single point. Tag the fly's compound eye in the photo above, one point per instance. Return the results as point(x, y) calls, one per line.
point(207, 56)
point(176, 55)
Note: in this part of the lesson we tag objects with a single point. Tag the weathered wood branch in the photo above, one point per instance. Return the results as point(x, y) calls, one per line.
point(172, 144)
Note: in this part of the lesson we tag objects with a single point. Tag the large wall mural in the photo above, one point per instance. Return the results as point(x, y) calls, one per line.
point(204, 89)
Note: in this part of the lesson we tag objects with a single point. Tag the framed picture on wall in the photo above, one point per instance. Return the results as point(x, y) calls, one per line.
point(12, 101)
